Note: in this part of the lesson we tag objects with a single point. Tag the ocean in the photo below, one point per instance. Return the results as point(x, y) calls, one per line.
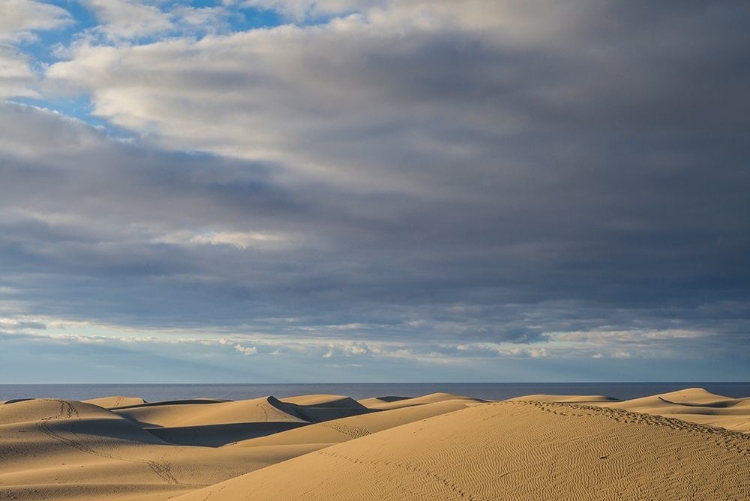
point(487, 391)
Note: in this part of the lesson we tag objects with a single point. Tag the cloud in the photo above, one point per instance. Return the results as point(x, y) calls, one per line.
point(13, 325)
point(633, 336)
point(484, 350)
point(82, 211)
point(248, 351)
point(121, 21)
point(525, 180)
point(300, 10)
point(16, 76)
point(239, 240)
point(314, 98)
point(183, 353)
point(125, 19)
point(19, 22)
point(351, 349)
point(19, 19)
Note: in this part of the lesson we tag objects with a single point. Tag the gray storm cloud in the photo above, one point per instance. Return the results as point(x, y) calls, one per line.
point(445, 171)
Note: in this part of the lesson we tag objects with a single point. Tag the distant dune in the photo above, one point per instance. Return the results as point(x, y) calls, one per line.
point(688, 444)
point(115, 401)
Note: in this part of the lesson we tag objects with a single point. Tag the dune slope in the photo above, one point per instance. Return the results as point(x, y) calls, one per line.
point(115, 401)
point(258, 410)
point(214, 423)
point(514, 450)
point(398, 402)
point(439, 446)
point(345, 429)
point(695, 405)
point(59, 449)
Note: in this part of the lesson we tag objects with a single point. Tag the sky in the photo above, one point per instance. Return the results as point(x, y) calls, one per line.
point(258, 191)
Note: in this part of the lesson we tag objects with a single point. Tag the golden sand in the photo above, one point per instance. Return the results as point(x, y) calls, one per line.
point(689, 444)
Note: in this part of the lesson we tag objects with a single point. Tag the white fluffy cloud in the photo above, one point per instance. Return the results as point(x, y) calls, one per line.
point(20, 19)
point(248, 351)
point(16, 77)
point(123, 19)
point(400, 96)
point(274, 94)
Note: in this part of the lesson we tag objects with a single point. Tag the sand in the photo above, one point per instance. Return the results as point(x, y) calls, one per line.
point(114, 402)
point(694, 405)
point(689, 444)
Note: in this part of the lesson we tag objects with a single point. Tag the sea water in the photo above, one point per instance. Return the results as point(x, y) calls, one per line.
point(487, 391)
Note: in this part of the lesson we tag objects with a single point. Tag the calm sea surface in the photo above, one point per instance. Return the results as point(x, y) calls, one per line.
point(488, 391)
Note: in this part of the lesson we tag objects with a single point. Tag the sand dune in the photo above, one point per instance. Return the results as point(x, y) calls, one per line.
point(514, 450)
point(439, 446)
point(565, 399)
point(50, 415)
point(319, 408)
point(323, 401)
point(113, 402)
point(695, 405)
point(58, 449)
point(265, 410)
point(398, 402)
point(212, 423)
point(345, 429)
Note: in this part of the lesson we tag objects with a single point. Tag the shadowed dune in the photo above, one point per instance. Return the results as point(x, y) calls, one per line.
point(324, 401)
point(215, 423)
point(216, 435)
point(50, 416)
point(565, 399)
point(196, 413)
point(318, 408)
point(345, 429)
point(59, 449)
point(386, 399)
point(14, 400)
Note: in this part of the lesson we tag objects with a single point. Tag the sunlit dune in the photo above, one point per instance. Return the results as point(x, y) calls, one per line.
point(681, 445)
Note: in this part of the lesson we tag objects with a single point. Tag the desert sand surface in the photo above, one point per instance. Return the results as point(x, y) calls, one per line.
point(688, 444)
point(114, 402)
point(695, 405)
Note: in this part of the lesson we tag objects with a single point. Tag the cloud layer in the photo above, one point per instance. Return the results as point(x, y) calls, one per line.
point(443, 180)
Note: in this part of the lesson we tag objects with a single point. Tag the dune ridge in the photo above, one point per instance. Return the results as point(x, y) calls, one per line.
point(695, 405)
point(689, 444)
point(115, 401)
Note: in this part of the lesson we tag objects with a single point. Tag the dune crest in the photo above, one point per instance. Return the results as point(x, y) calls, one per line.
point(566, 399)
point(695, 405)
point(115, 401)
point(349, 428)
point(399, 402)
